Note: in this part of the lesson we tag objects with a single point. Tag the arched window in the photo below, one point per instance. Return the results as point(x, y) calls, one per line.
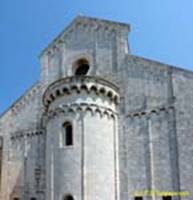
point(68, 197)
point(67, 134)
point(81, 67)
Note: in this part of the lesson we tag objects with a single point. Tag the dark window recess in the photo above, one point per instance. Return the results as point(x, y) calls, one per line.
point(167, 198)
point(33, 198)
point(15, 198)
point(138, 198)
point(82, 67)
point(68, 133)
point(68, 197)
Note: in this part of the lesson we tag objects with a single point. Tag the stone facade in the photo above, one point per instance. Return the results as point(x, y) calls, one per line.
point(130, 123)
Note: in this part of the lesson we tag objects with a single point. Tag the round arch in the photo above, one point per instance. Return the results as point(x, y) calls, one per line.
point(81, 67)
point(68, 197)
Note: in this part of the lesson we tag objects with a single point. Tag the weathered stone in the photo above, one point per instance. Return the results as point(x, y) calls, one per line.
point(131, 119)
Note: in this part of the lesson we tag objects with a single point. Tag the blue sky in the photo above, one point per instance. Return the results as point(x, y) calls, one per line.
point(161, 30)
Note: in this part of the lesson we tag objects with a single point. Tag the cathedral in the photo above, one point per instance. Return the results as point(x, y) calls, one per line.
point(100, 124)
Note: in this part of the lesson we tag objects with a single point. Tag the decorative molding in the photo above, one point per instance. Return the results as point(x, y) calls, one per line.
point(17, 107)
point(26, 99)
point(26, 133)
point(151, 111)
point(76, 108)
point(87, 24)
point(78, 84)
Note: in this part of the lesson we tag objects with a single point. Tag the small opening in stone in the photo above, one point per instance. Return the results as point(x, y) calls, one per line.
point(68, 197)
point(58, 92)
point(67, 134)
point(138, 198)
point(81, 67)
point(167, 198)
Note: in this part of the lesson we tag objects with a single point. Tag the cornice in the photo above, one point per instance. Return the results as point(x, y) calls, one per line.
point(89, 24)
point(149, 112)
point(77, 108)
point(23, 100)
point(78, 84)
point(26, 99)
point(26, 133)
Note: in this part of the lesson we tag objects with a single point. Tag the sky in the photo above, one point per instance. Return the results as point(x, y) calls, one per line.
point(160, 30)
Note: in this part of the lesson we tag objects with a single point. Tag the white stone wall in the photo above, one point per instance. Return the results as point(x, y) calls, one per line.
point(154, 123)
point(23, 146)
point(103, 44)
point(91, 163)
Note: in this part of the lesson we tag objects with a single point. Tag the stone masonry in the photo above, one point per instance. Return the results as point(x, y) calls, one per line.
point(100, 124)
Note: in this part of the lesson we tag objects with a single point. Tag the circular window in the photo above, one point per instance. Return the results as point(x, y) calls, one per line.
point(81, 67)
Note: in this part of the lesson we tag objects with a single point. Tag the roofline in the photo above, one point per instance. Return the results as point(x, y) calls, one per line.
point(127, 25)
point(163, 64)
point(80, 17)
point(18, 100)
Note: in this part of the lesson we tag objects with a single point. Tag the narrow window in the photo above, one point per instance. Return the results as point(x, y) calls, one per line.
point(67, 134)
point(15, 198)
point(138, 198)
point(33, 198)
point(167, 198)
point(82, 67)
point(68, 197)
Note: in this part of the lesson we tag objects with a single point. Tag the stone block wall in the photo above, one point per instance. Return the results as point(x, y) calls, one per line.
point(155, 114)
point(23, 147)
